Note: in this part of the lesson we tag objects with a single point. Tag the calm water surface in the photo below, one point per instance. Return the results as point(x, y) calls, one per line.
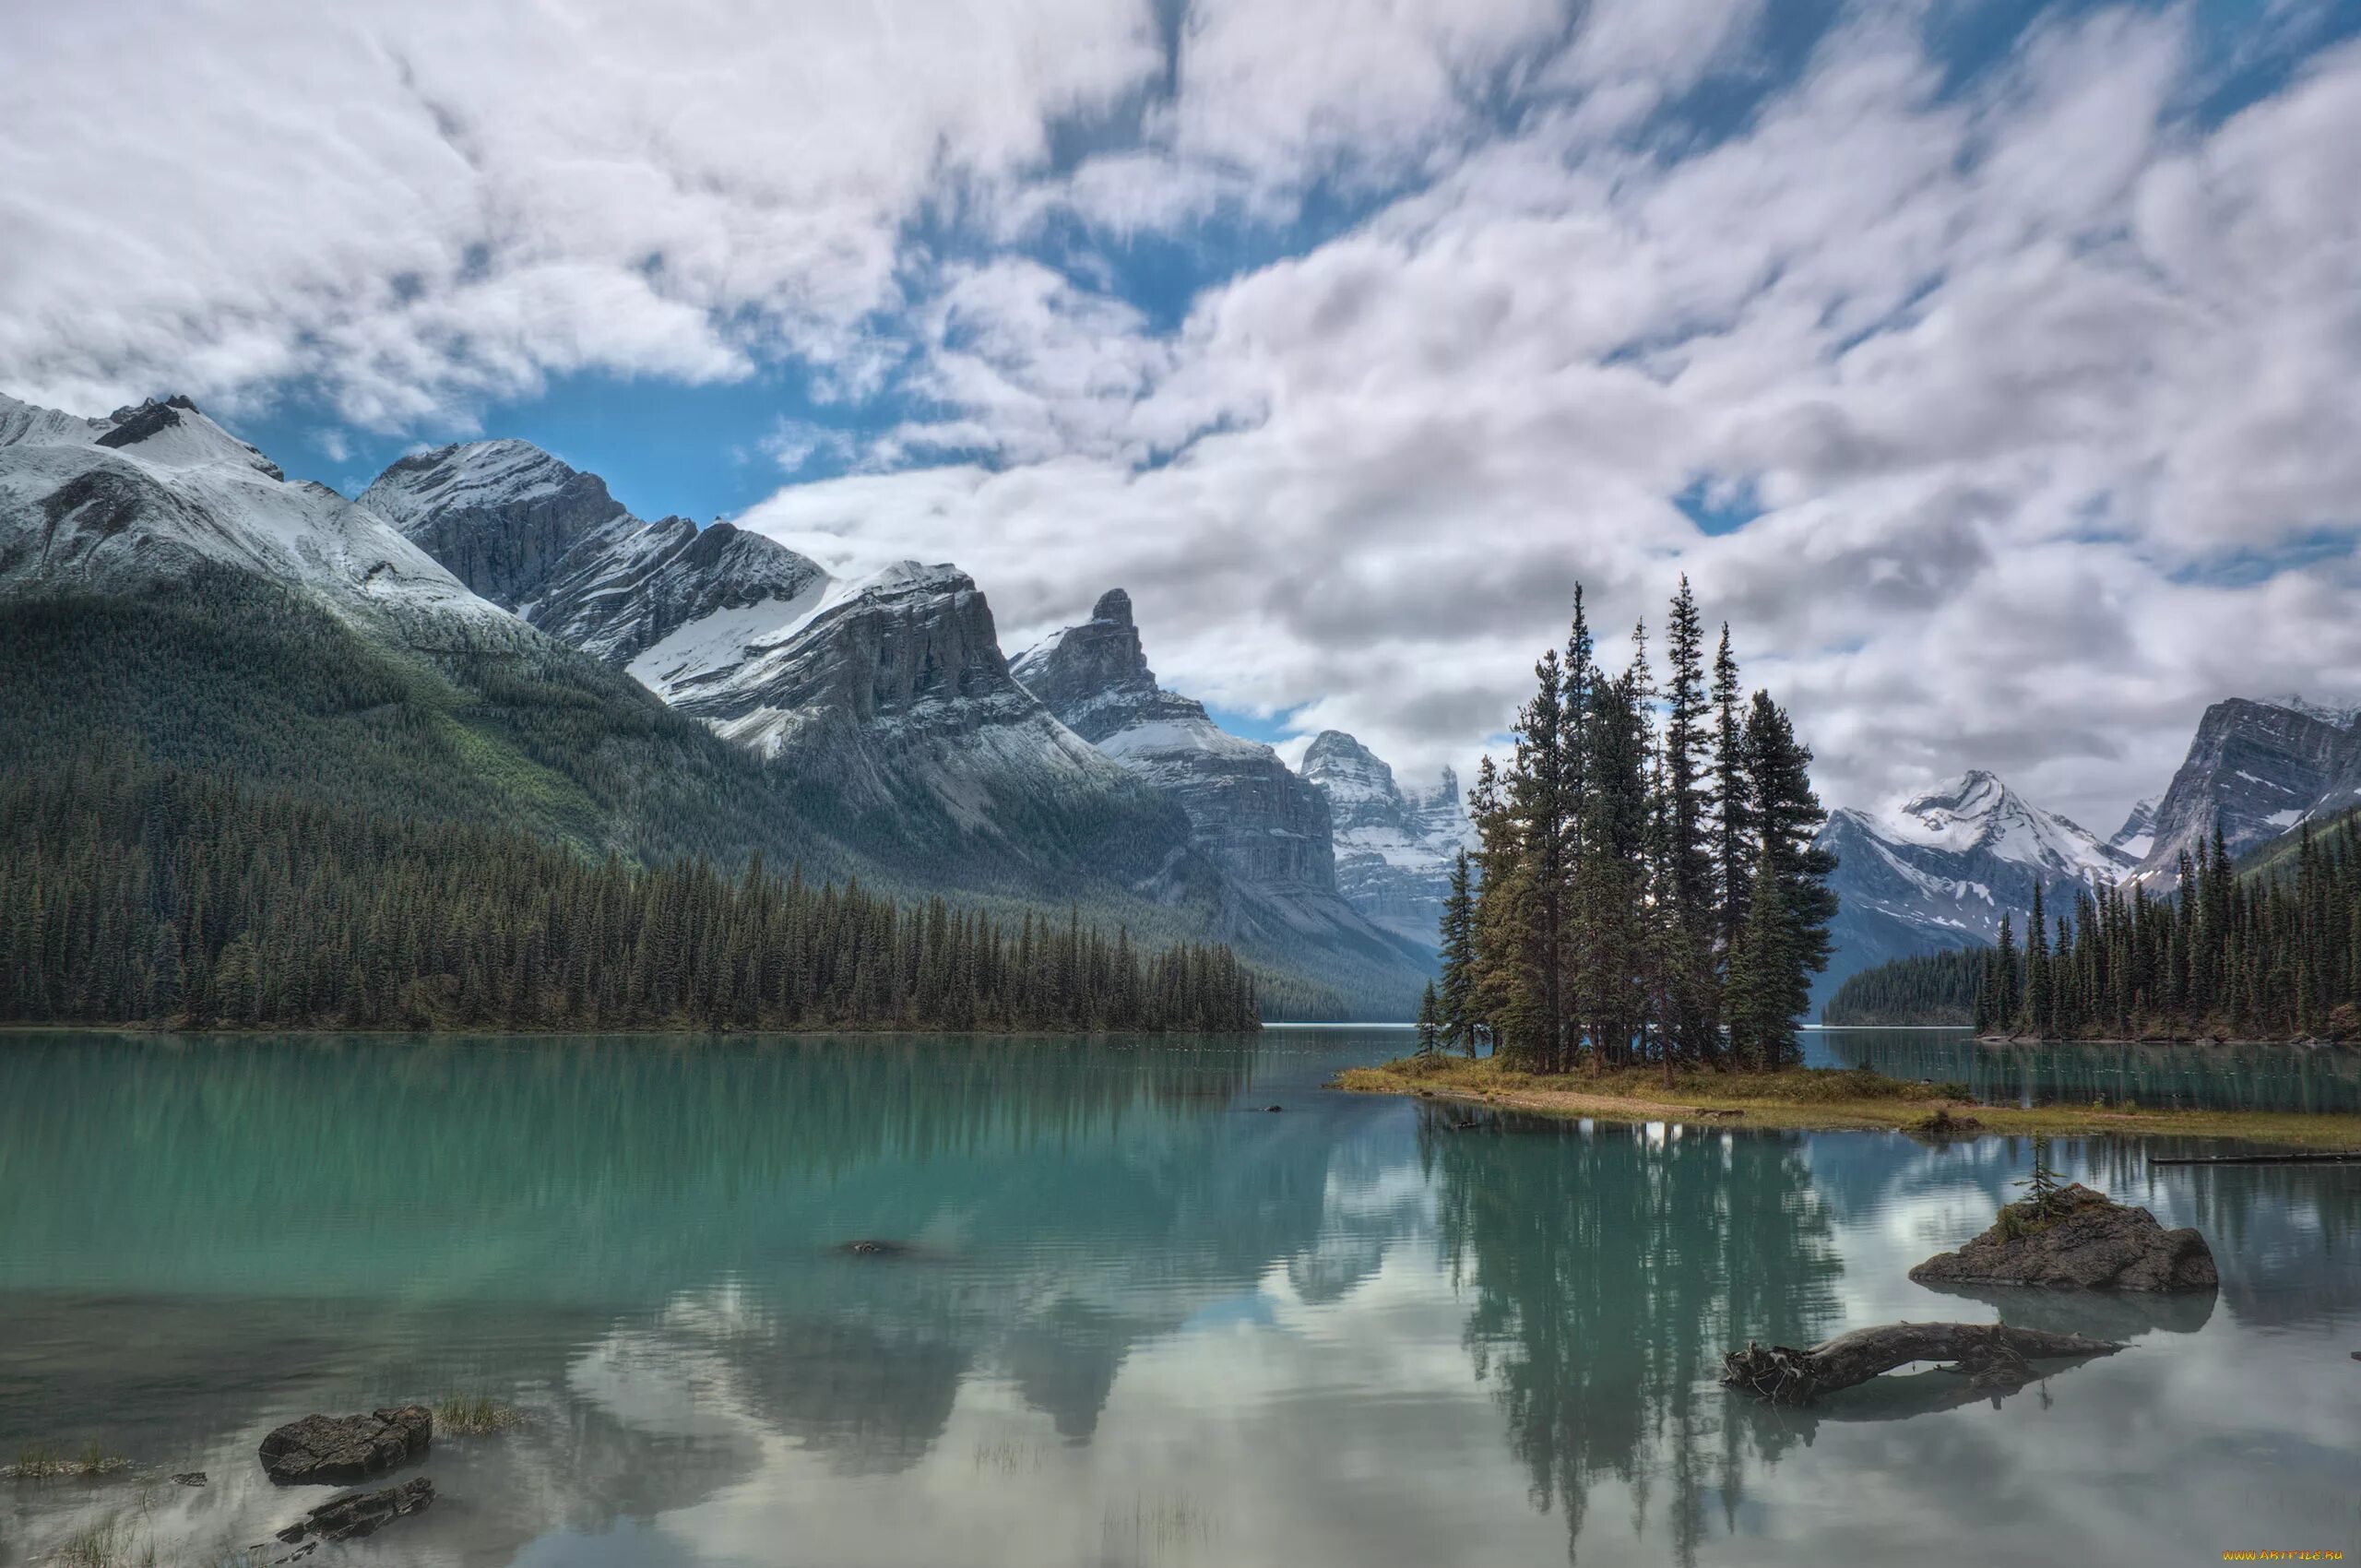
point(1143, 1320)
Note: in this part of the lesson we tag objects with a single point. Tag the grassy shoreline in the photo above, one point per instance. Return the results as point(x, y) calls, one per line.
point(1819, 1098)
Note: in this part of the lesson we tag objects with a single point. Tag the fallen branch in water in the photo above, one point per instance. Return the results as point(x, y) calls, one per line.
point(1994, 1356)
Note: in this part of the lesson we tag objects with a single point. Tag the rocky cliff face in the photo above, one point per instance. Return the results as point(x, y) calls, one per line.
point(2259, 768)
point(1939, 870)
point(549, 542)
point(1394, 848)
point(885, 683)
point(1265, 827)
point(1251, 812)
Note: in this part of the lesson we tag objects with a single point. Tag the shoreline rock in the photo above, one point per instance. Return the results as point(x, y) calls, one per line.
point(2091, 1242)
point(337, 1451)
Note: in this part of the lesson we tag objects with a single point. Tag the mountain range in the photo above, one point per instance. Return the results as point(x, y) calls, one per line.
point(1939, 870)
point(487, 633)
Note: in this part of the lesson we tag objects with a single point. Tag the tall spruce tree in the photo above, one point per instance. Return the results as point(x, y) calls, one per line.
point(1611, 881)
point(1786, 941)
point(1459, 958)
point(1536, 808)
point(1733, 815)
point(1689, 988)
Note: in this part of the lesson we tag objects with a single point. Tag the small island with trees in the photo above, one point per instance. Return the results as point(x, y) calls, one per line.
point(1636, 932)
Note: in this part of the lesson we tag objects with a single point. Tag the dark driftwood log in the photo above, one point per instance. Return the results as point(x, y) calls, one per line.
point(1995, 1356)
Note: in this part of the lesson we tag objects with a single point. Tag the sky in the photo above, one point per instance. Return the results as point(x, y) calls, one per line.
point(1994, 369)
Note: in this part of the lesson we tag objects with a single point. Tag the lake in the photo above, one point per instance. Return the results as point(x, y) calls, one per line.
point(1139, 1319)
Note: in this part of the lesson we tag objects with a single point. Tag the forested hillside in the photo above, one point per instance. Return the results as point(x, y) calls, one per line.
point(1932, 988)
point(132, 891)
point(508, 730)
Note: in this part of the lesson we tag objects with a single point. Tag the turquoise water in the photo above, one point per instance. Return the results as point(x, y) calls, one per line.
point(1141, 1319)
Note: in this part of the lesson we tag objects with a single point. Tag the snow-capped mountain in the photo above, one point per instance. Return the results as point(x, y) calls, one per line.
point(896, 679)
point(147, 494)
point(891, 689)
point(1394, 848)
point(2259, 768)
point(548, 541)
point(1266, 826)
point(1939, 870)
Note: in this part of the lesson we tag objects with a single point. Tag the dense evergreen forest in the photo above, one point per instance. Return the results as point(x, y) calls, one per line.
point(1640, 893)
point(139, 891)
point(1925, 987)
point(242, 678)
point(2265, 956)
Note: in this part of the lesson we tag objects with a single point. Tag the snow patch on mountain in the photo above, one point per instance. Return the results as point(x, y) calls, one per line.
point(1979, 814)
point(145, 496)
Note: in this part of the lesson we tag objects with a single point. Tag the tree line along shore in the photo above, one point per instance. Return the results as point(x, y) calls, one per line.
point(135, 892)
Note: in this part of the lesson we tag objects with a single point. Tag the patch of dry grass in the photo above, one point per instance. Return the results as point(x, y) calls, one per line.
point(1813, 1098)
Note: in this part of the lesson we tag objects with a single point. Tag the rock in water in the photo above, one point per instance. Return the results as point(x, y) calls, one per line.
point(2095, 1243)
point(357, 1514)
point(332, 1451)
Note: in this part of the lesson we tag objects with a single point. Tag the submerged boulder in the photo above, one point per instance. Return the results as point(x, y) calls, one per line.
point(2083, 1239)
point(357, 1514)
point(337, 1451)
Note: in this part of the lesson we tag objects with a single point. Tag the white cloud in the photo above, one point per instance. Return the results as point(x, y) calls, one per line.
point(1972, 350)
point(2018, 365)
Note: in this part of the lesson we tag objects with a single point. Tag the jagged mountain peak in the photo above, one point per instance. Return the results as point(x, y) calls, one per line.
point(173, 433)
point(1348, 770)
point(1095, 676)
point(1979, 812)
point(2255, 769)
point(538, 536)
point(482, 477)
point(1394, 848)
point(1255, 815)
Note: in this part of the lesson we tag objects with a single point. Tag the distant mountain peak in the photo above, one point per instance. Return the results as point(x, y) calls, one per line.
point(1394, 848)
point(1259, 819)
point(1979, 812)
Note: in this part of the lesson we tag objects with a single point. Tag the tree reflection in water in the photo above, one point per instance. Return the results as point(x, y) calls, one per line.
point(1609, 1267)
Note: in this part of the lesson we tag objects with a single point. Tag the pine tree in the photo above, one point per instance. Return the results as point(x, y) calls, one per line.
point(1430, 1022)
point(1788, 941)
point(1459, 957)
point(1691, 912)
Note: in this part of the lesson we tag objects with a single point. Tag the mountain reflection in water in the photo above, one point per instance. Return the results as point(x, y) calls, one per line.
point(1127, 1316)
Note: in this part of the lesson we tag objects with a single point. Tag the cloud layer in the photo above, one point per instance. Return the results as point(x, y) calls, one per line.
point(2005, 406)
